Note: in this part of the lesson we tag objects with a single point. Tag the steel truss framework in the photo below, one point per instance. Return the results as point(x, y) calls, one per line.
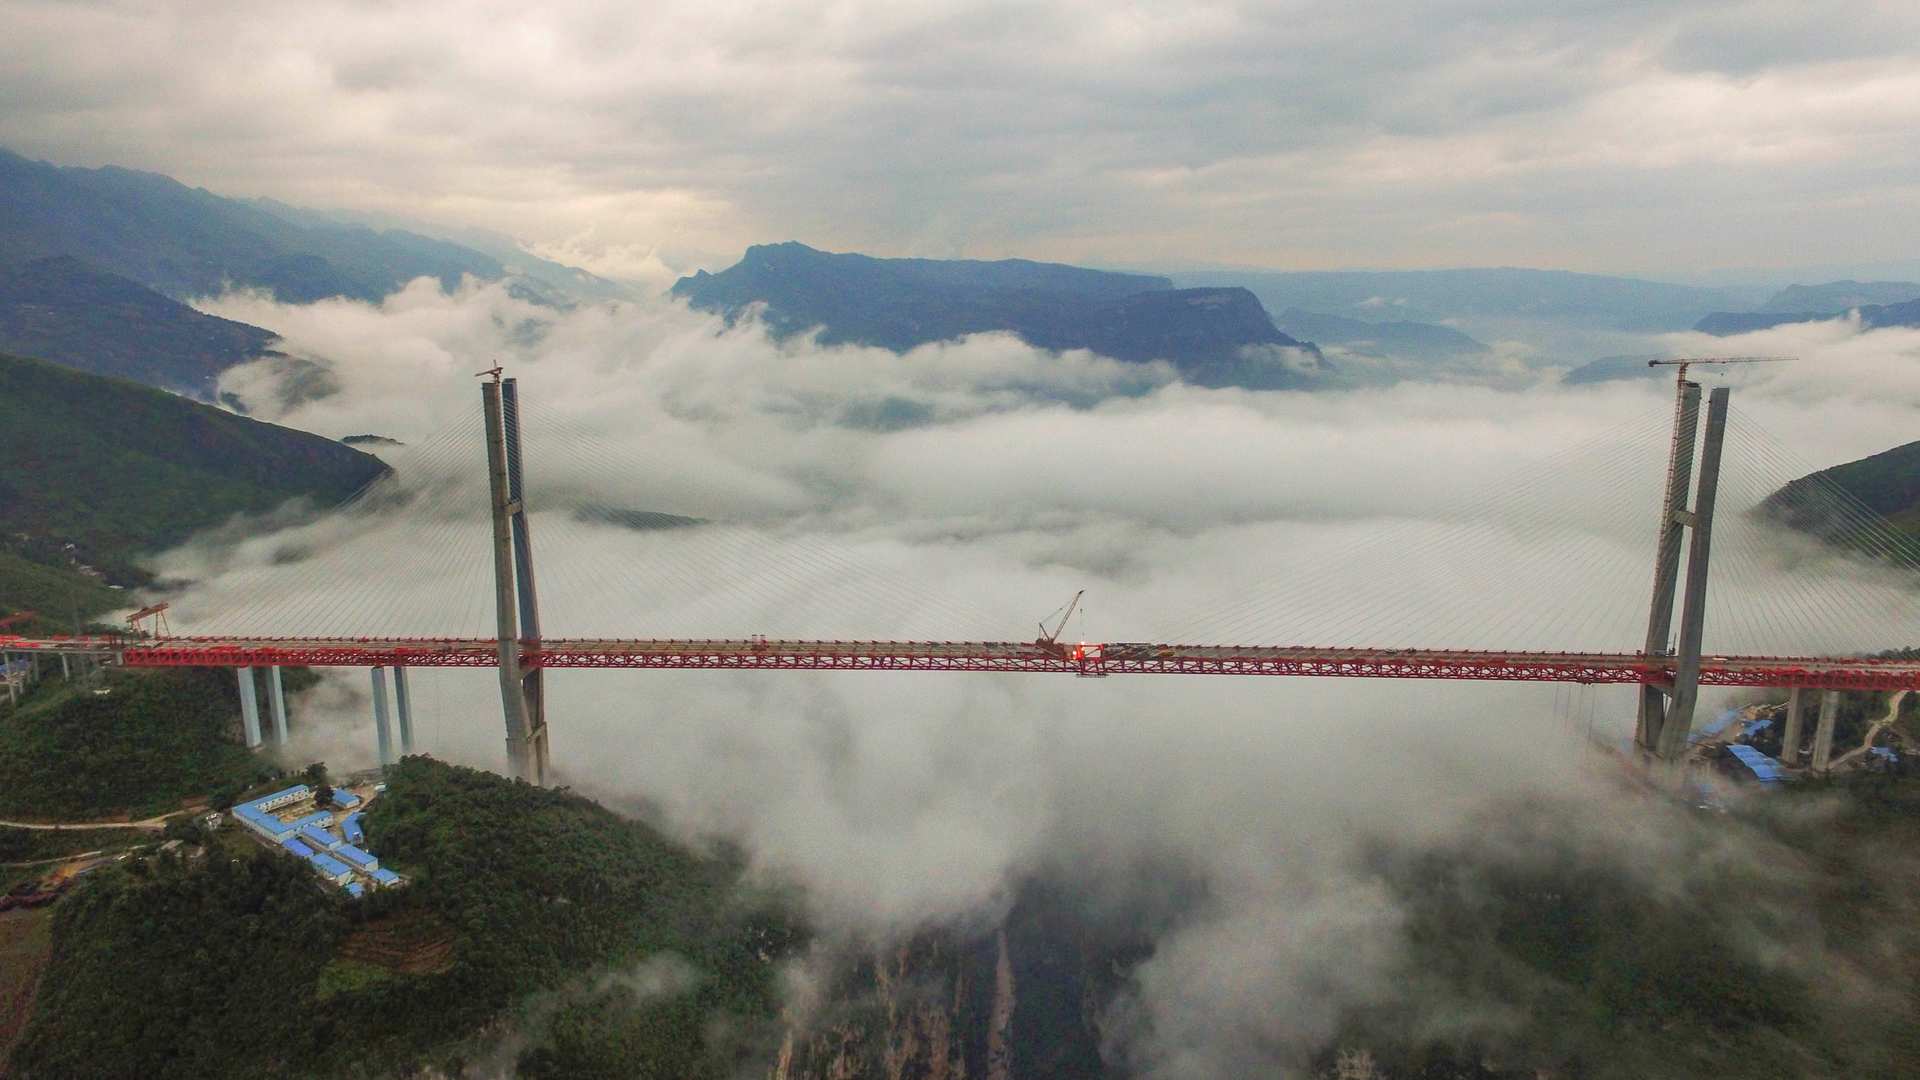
point(757, 654)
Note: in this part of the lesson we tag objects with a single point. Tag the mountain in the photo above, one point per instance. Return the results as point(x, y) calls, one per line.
point(1841, 295)
point(1828, 503)
point(547, 281)
point(187, 242)
point(1396, 338)
point(63, 310)
point(1611, 368)
point(1618, 303)
point(116, 468)
point(1212, 336)
point(1871, 316)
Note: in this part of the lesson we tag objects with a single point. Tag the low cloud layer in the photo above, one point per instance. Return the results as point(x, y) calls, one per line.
point(1013, 478)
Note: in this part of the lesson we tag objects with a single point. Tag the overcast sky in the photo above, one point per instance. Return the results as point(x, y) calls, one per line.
point(1660, 138)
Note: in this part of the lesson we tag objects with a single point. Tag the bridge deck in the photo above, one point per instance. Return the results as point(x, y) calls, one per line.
point(1135, 658)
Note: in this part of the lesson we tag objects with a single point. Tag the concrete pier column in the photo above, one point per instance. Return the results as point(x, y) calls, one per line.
point(1790, 734)
point(277, 701)
point(65, 673)
point(1823, 734)
point(403, 703)
point(381, 731)
point(249, 706)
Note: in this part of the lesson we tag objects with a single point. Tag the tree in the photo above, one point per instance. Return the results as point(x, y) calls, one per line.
point(323, 795)
point(316, 773)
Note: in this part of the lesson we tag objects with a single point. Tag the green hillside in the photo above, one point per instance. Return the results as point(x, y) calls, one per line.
point(63, 310)
point(152, 739)
point(116, 468)
point(1887, 484)
point(516, 890)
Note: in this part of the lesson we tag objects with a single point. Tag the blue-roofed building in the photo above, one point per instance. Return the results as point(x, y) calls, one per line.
point(360, 860)
point(1762, 768)
point(284, 797)
point(356, 890)
point(293, 844)
point(321, 839)
point(386, 878)
point(317, 819)
point(344, 799)
point(266, 824)
point(331, 868)
point(350, 828)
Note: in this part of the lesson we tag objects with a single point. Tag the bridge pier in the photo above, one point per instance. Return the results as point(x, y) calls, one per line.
point(277, 699)
point(403, 708)
point(382, 733)
point(249, 707)
point(1790, 733)
point(1823, 732)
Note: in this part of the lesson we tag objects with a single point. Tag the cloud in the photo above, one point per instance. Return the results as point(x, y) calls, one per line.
point(1233, 133)
point(1415, 514)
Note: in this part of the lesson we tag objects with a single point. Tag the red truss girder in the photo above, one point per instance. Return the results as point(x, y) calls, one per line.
point(1845, 673)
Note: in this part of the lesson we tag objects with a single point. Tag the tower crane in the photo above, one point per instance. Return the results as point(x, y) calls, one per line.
point(1685, 362)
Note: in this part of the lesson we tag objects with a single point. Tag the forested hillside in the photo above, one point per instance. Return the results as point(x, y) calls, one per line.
point(116, 468)
point(1842, 503)
point(660, 964)
point(60, 309)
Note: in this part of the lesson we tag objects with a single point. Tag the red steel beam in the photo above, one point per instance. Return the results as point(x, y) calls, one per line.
point(754, 654)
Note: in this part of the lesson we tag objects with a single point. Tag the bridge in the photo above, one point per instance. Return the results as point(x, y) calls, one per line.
point(1669, 670)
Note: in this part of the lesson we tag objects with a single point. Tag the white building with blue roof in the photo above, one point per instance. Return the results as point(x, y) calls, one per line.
point(331, 868)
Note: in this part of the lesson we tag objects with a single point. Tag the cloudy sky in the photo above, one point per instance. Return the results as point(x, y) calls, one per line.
point(641, 139)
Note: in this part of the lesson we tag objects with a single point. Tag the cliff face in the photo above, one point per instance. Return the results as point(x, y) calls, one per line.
point(1020, 1002)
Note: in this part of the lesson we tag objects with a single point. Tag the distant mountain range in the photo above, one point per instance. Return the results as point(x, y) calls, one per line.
point(1212, 336)
point(1616, 303)
point(96, 266)
point(1872, 317)
point(1841, 295)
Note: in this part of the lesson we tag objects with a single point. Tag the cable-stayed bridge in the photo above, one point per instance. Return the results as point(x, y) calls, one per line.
point(1815, 611)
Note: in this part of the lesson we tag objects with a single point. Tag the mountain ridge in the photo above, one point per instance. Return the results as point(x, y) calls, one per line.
point(1212, 336)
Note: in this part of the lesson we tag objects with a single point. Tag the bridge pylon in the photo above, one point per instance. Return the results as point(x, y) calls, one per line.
point(516, 602)
point(1666, 708)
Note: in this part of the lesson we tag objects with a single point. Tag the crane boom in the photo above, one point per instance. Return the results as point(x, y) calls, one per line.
point(1065, 614)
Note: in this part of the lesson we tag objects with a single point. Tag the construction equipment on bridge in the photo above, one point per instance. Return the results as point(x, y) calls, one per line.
point(157, 613)
point(1065, 612)
point(1685, 362)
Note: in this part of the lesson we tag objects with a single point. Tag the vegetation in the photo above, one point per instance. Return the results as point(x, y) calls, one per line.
point(152, 739)
point(1740, 949)
point(516, 889)
point(1887, 484)
point(53, 592)
point(63, 310)
point(32, 845)
point(115, 467)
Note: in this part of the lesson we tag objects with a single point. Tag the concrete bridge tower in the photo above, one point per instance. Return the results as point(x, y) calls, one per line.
point(516, 602)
